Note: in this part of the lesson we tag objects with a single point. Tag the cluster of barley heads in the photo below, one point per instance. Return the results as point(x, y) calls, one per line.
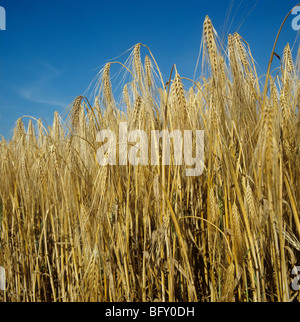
point(72, 230)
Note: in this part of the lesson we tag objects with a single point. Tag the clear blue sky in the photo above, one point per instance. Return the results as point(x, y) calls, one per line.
point(52, 50)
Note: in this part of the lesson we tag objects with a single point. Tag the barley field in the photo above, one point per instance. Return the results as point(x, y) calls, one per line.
point(72, 230)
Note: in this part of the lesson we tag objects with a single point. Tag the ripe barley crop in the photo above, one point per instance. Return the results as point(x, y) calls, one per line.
point(72, 230)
